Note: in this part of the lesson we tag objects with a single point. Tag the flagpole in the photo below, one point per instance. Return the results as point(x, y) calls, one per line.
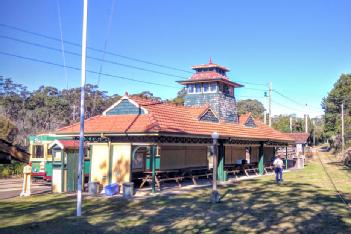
point(82, 109)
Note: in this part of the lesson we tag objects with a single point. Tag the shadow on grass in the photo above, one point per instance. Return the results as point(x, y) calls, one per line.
point(256, 206)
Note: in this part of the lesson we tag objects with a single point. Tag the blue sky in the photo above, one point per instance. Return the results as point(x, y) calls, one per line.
point(302, 47)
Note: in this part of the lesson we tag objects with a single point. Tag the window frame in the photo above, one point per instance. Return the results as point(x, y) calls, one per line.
point(35, 151)
point(198, 85)
point(193, 88)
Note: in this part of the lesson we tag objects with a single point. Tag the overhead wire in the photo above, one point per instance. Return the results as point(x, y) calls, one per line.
point(90, 57)
point(89, 71)
point(62, 44)
point(113, 3)
point(93, 49)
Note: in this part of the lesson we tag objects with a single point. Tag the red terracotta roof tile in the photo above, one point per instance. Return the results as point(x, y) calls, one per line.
point(299, 137)
point(208, 75)
point(209, 65)
point(169, 118)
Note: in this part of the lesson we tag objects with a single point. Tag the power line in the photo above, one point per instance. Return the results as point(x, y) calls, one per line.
point(112, 53)
point(90, 71)
point(93, 49)
point(62, 44)
point(90, 57)
point(294, 101)
point(287, 107)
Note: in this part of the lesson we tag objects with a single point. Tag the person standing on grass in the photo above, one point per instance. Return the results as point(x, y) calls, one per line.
point(278, 169)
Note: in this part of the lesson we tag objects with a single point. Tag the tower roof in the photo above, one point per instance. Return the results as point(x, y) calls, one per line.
point(210, 65)
point(208, 73)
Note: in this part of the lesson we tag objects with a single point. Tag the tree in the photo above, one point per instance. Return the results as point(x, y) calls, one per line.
point(331, 104)
point(179, 100)
point(8, 129)
point(250, 105)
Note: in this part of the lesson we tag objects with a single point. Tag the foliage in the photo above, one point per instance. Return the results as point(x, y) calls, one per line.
point(179, 100)
point(24, 112)
point(340, 93)
point(15, 168)
point(250, 105)
point(8, 129)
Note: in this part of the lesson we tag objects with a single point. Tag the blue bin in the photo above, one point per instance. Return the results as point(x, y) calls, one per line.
point(111, 189)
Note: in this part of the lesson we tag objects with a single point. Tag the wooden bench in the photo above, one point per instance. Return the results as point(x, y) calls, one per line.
point(234, 172)
point(161, 176)
point(269, 170)
point(250, 170)
point(195, 173)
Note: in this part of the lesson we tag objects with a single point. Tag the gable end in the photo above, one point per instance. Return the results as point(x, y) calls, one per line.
point(209, 116)
point(125, 107)
point(250, 123)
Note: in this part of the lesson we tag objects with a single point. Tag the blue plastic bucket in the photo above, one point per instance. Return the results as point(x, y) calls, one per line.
point(111, 189)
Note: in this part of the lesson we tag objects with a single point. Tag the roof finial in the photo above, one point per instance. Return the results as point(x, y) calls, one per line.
point(126, 94)
point(210, 59)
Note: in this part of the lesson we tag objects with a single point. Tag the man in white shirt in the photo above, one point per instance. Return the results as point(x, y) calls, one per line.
point(278, 168)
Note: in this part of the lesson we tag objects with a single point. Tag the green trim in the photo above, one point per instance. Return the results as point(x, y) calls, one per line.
point(62, 171)
point(220, 165)
point(261, 160)
point(286, 158)
point(152, 153)
point(47, 138)
point(110, 158)
point(91, 159)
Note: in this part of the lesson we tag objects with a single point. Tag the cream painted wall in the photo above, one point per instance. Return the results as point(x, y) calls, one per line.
point(121, 159)
point(99, 163)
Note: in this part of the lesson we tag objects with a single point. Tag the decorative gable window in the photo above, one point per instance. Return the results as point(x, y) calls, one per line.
point(125, 107)
point(250, 123)
point(209, 116)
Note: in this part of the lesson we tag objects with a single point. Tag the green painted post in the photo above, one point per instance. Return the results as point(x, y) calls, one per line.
point(260, 160)
point(220, 167)
point(62, 171)
point(153, 152)
point(286, 158)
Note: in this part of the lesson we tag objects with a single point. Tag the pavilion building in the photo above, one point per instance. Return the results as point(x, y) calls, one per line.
point(136, 133)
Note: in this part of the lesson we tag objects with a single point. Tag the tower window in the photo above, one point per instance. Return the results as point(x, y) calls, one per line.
point(190, 88)
point(213, 87)
point(198, 88)
point(206, 87)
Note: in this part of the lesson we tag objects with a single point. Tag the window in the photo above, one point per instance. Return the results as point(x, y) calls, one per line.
point(49, 151)
point(213, 87)
point(206, 87)
point(198, 88)
point(231, 91)
point(190, 88)
point(38, 151)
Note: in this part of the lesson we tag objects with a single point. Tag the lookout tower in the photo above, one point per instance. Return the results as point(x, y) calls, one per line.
point(209, 85)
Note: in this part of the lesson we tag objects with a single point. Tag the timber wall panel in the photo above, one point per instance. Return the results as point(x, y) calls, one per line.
point(172, 157)
point(268, 154)
point(238, 153)
point(254, 154)
point(196, 156)
point(177, 157)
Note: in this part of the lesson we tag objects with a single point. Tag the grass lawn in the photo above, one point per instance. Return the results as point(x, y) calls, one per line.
point(305, 202)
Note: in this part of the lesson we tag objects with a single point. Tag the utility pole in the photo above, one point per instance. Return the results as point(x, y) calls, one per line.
point(342, 128)
point(314, 132)
point(290, 123)
point(270, 104)
point(306, 119)
point(82, 109)
point(265, 110)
